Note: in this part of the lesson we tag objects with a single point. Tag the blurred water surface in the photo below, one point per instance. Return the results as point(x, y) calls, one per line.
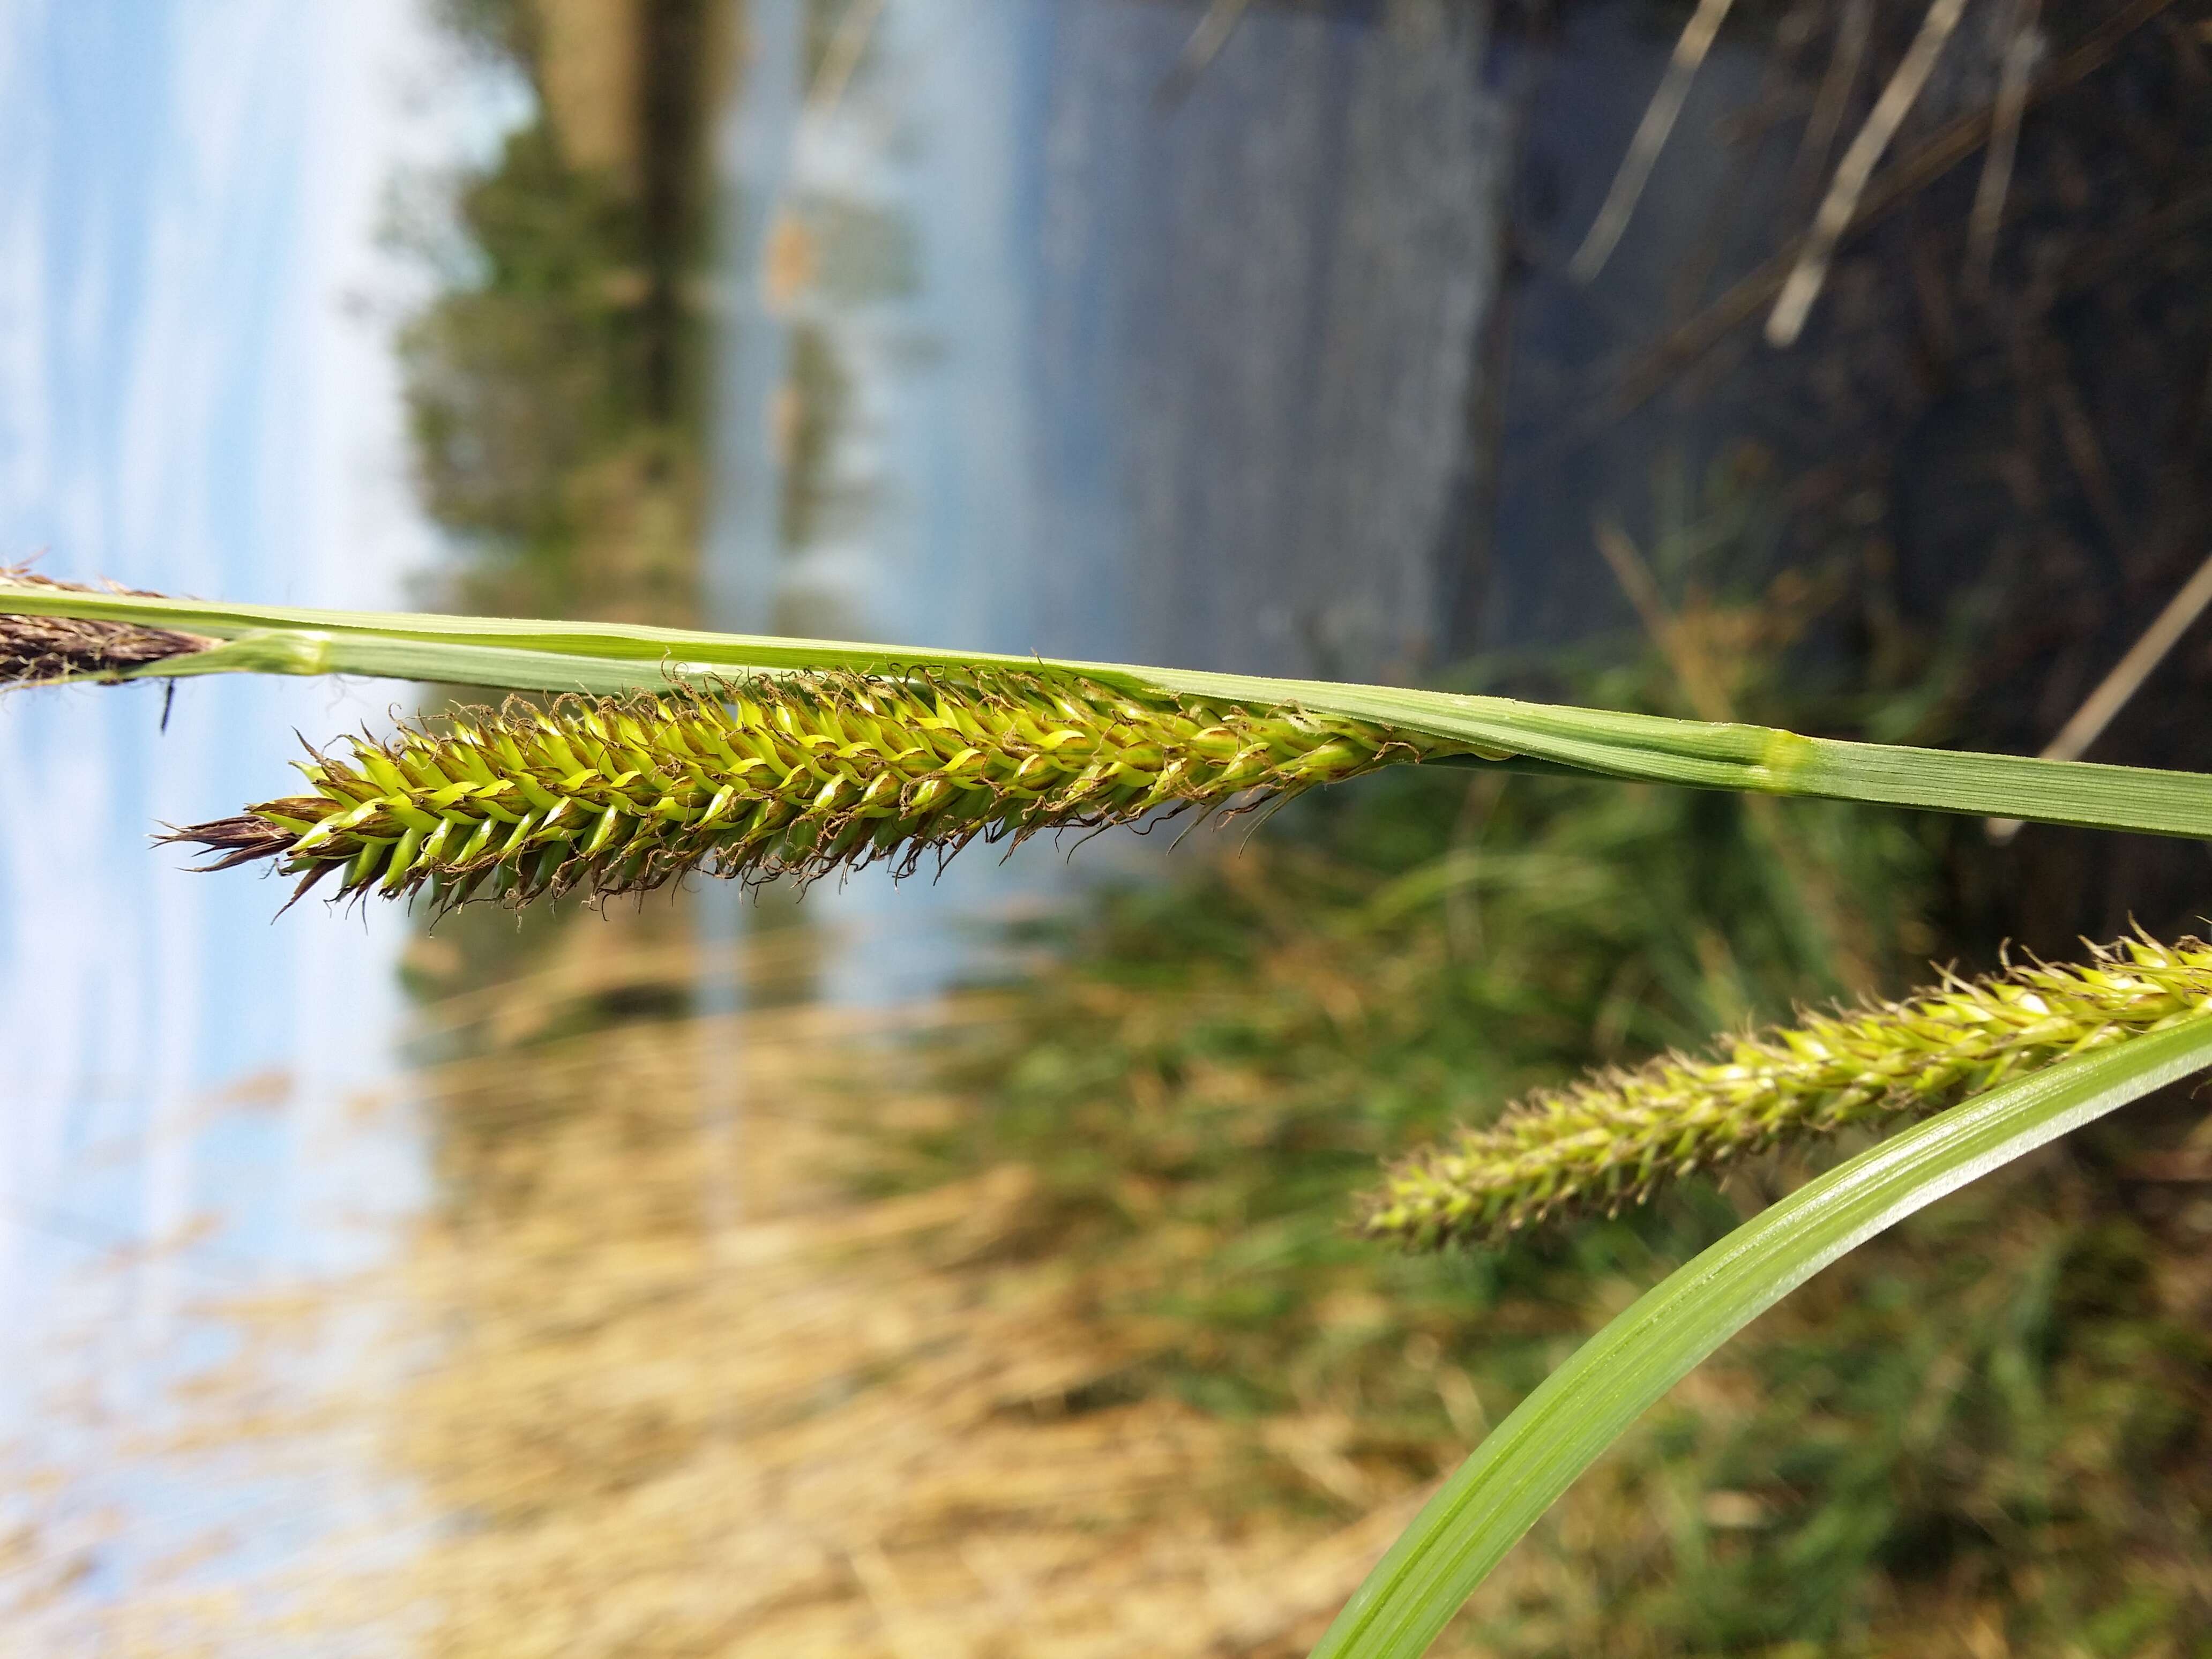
point(1033, 342)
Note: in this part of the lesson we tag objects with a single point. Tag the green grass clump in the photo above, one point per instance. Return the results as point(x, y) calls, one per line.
point(1988, 1421)
point(1992, 1418)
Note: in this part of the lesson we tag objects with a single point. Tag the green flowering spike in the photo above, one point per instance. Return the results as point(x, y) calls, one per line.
point(799, 775)
point(1613, 1138)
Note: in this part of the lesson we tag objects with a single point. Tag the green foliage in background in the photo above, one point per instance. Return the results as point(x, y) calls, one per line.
point(548, 436)
point(1993, 1416)
point(516, 378)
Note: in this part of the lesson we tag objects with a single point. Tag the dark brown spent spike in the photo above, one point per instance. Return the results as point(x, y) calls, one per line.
point(239, 840)
point(40, 650)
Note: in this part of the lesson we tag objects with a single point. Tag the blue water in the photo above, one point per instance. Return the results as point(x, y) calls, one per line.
point(1171, 380)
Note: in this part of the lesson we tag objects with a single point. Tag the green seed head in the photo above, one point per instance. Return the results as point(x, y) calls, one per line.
point(1613, 1138)
point(798, 775)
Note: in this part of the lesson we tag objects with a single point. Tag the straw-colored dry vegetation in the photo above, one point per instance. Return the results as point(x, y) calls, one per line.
point(676, 1391)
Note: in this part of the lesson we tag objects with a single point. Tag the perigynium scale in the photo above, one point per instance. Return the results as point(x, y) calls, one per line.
point(794, 774)
point(1613, 1137)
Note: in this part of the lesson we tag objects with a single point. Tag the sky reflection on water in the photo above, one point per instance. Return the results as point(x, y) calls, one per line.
point(1021, 354)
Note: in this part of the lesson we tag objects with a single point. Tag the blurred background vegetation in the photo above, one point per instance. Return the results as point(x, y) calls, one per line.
point(1023, 1320)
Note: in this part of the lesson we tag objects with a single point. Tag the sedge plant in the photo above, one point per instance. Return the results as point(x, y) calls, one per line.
point(664, 753)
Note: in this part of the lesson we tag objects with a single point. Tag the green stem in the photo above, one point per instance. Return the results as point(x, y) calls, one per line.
point(606, 658)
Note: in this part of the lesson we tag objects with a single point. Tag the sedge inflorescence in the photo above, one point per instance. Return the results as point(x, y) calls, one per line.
point(41, 650)
point(1613, 1138)
point(797, 774)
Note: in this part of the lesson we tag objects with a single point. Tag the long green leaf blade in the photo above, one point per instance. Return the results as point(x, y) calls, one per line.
point(1563, 1427)
point(605, 658)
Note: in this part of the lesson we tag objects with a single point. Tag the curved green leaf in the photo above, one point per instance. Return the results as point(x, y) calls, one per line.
point(1562, 1428)
point(610, 658)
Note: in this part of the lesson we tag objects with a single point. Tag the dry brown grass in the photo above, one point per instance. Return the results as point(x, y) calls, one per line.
point(666, 1388)
point(712, 1404)
point(651, 1379)
point(587, 56)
